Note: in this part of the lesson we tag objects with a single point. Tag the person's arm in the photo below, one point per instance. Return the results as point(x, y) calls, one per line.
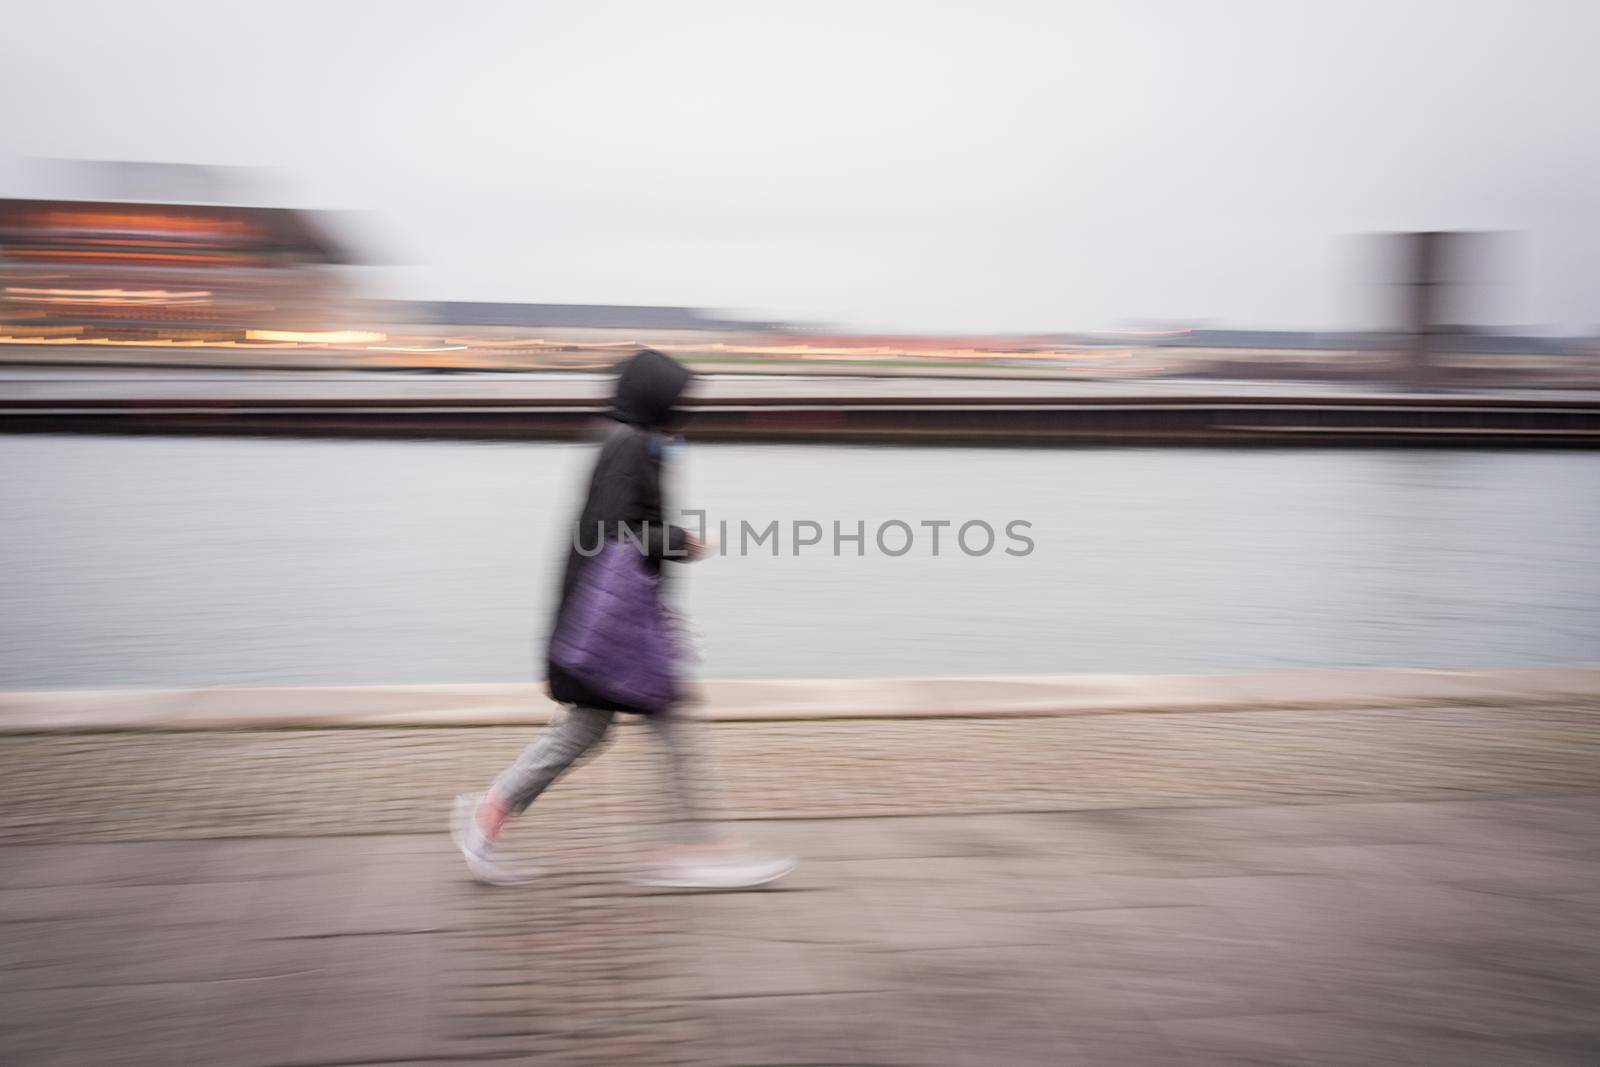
point(661, 540)
point(671, 542)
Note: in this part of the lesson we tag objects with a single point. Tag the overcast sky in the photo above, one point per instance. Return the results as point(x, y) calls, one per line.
point(931, 166)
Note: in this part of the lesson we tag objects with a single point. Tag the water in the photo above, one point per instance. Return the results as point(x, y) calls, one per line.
point(185, 561)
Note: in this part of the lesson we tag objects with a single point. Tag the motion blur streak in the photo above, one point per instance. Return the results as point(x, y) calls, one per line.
point(1110, 488)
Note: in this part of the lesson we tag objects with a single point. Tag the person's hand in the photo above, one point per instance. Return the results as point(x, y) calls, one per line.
point(699, 549)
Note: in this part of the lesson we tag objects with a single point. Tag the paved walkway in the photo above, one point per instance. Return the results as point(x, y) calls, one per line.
point(1297, 887)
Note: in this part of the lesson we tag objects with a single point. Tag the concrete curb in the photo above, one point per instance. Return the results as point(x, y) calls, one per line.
point(732, 700)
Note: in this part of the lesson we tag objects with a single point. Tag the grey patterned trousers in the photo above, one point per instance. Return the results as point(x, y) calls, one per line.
point(580, 729)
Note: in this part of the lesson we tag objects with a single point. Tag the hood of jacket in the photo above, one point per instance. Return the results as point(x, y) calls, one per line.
point(648, 387)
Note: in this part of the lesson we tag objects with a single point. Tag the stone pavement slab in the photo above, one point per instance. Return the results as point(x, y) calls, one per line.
point(166, 786)
point(1218, 935)
point(1300, 887)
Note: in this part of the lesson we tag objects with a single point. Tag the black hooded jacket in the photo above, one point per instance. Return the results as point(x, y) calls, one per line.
point(625, 491)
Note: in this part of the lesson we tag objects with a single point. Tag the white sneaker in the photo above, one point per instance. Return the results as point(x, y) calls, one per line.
point(739, 873)
point(477, 850)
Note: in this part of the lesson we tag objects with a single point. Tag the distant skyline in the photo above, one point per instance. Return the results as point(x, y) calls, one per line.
point(995, 167)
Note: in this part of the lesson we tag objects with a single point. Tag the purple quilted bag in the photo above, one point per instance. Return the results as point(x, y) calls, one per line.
point(614, 635)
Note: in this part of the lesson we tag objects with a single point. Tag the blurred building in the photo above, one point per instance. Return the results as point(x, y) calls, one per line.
point(165, 270)
point(568, 316)
point(579, 323)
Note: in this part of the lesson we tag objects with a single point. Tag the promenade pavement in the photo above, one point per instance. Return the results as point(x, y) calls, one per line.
point(1313, 886)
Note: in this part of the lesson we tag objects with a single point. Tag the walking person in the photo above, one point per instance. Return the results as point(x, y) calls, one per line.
point(612, 651)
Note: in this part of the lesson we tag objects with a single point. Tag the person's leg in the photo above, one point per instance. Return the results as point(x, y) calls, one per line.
point(541, 763)
point(705, 856)
point(691, 781)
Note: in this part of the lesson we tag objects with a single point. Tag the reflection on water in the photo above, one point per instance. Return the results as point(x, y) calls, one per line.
point(172, 561)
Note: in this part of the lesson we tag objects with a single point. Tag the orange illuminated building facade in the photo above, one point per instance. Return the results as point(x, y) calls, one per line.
point(136, 270)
